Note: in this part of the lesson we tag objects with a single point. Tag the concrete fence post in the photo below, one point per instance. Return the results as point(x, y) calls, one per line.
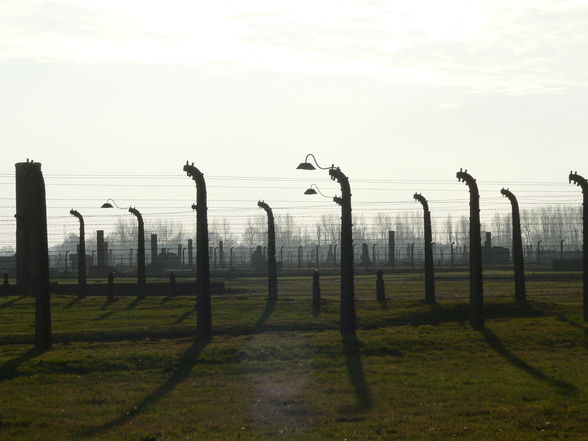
point(429, 269)
point(582, 183)
point(316, 293)
point(31, 245)
point(517, 247)
point(476, 283)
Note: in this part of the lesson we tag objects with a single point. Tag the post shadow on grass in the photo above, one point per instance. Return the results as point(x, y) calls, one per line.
point(563, 318)
point(456, 312)
point(10, 302)
point(105, 315)
point(9, 368)
point(185, 366)
point(184, 316)
point(134, 303)
point(108, 302)
point(351, 351)
point(380, 290)
point(73, 302)
point(270, 304)
point(496, 344)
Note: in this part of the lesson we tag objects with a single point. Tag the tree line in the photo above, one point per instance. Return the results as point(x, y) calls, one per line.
point(549, 224)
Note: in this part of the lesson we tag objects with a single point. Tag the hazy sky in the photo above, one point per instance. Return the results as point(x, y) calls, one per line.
point(392, 91)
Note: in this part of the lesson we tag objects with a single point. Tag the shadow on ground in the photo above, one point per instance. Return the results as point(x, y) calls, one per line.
point(432, 315)
point(563, 318)
point(184, 316)
point(496, 344)
point(134, 303)
point(383, 303)
point(185, 366)
point(351, 351)
point(105, 315)
point(107, 303)
point(73, 302)
point(270, 304)
point(8, 369)
point(10, 302)
point(440, 313)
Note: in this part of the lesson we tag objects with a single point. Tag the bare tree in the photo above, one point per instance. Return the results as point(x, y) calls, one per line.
point(168, 233)
point(252, 232)
point(331, 228)
point(220, 229)
point(383, 224)
point(285, 229)
point(125, 232)
point(360, 228)
point(449, 229)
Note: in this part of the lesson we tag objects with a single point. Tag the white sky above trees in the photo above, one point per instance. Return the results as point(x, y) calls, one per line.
point(388, 90)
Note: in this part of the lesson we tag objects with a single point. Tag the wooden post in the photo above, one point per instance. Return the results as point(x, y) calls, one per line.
point(316, 293)
point(31, 245)
point(299, 256)
point(100, 249)
point(380, 291)
point(110, 297)
point(391, 248)
point(221, 254)
point(172, 283)
point(154, 250)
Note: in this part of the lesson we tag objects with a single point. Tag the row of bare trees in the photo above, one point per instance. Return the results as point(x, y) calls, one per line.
point(550, 224)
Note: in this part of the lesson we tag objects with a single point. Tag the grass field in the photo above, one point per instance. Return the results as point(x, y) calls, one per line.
point(133, 370)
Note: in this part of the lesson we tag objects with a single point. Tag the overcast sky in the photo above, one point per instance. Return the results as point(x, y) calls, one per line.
point(388, 90)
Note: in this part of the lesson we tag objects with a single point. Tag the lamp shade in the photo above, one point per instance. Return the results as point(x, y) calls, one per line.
point(305, 166)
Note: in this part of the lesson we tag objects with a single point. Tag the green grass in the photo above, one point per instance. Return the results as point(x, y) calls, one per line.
point(133, 370)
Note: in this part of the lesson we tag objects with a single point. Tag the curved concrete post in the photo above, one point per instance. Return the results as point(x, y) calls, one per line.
point(82, 248)
point(203, 302)
point(272, 272)
point(583, 184)
point(517, 248)
point(348, 318)
point(140, 248)
point(429, 269)
point(476, 284)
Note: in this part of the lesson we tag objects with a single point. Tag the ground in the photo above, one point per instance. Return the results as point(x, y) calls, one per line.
point(135, 370)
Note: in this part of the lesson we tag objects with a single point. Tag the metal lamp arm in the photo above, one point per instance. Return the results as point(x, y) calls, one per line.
point(316, 163)
point(115, 204)
point(319, 191)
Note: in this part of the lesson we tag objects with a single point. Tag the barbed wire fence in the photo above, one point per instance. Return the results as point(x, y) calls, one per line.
point(307, 230)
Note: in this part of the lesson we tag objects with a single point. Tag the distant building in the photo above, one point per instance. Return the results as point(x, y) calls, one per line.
point(494, 255)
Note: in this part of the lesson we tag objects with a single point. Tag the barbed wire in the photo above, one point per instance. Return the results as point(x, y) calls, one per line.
point(553, 195)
